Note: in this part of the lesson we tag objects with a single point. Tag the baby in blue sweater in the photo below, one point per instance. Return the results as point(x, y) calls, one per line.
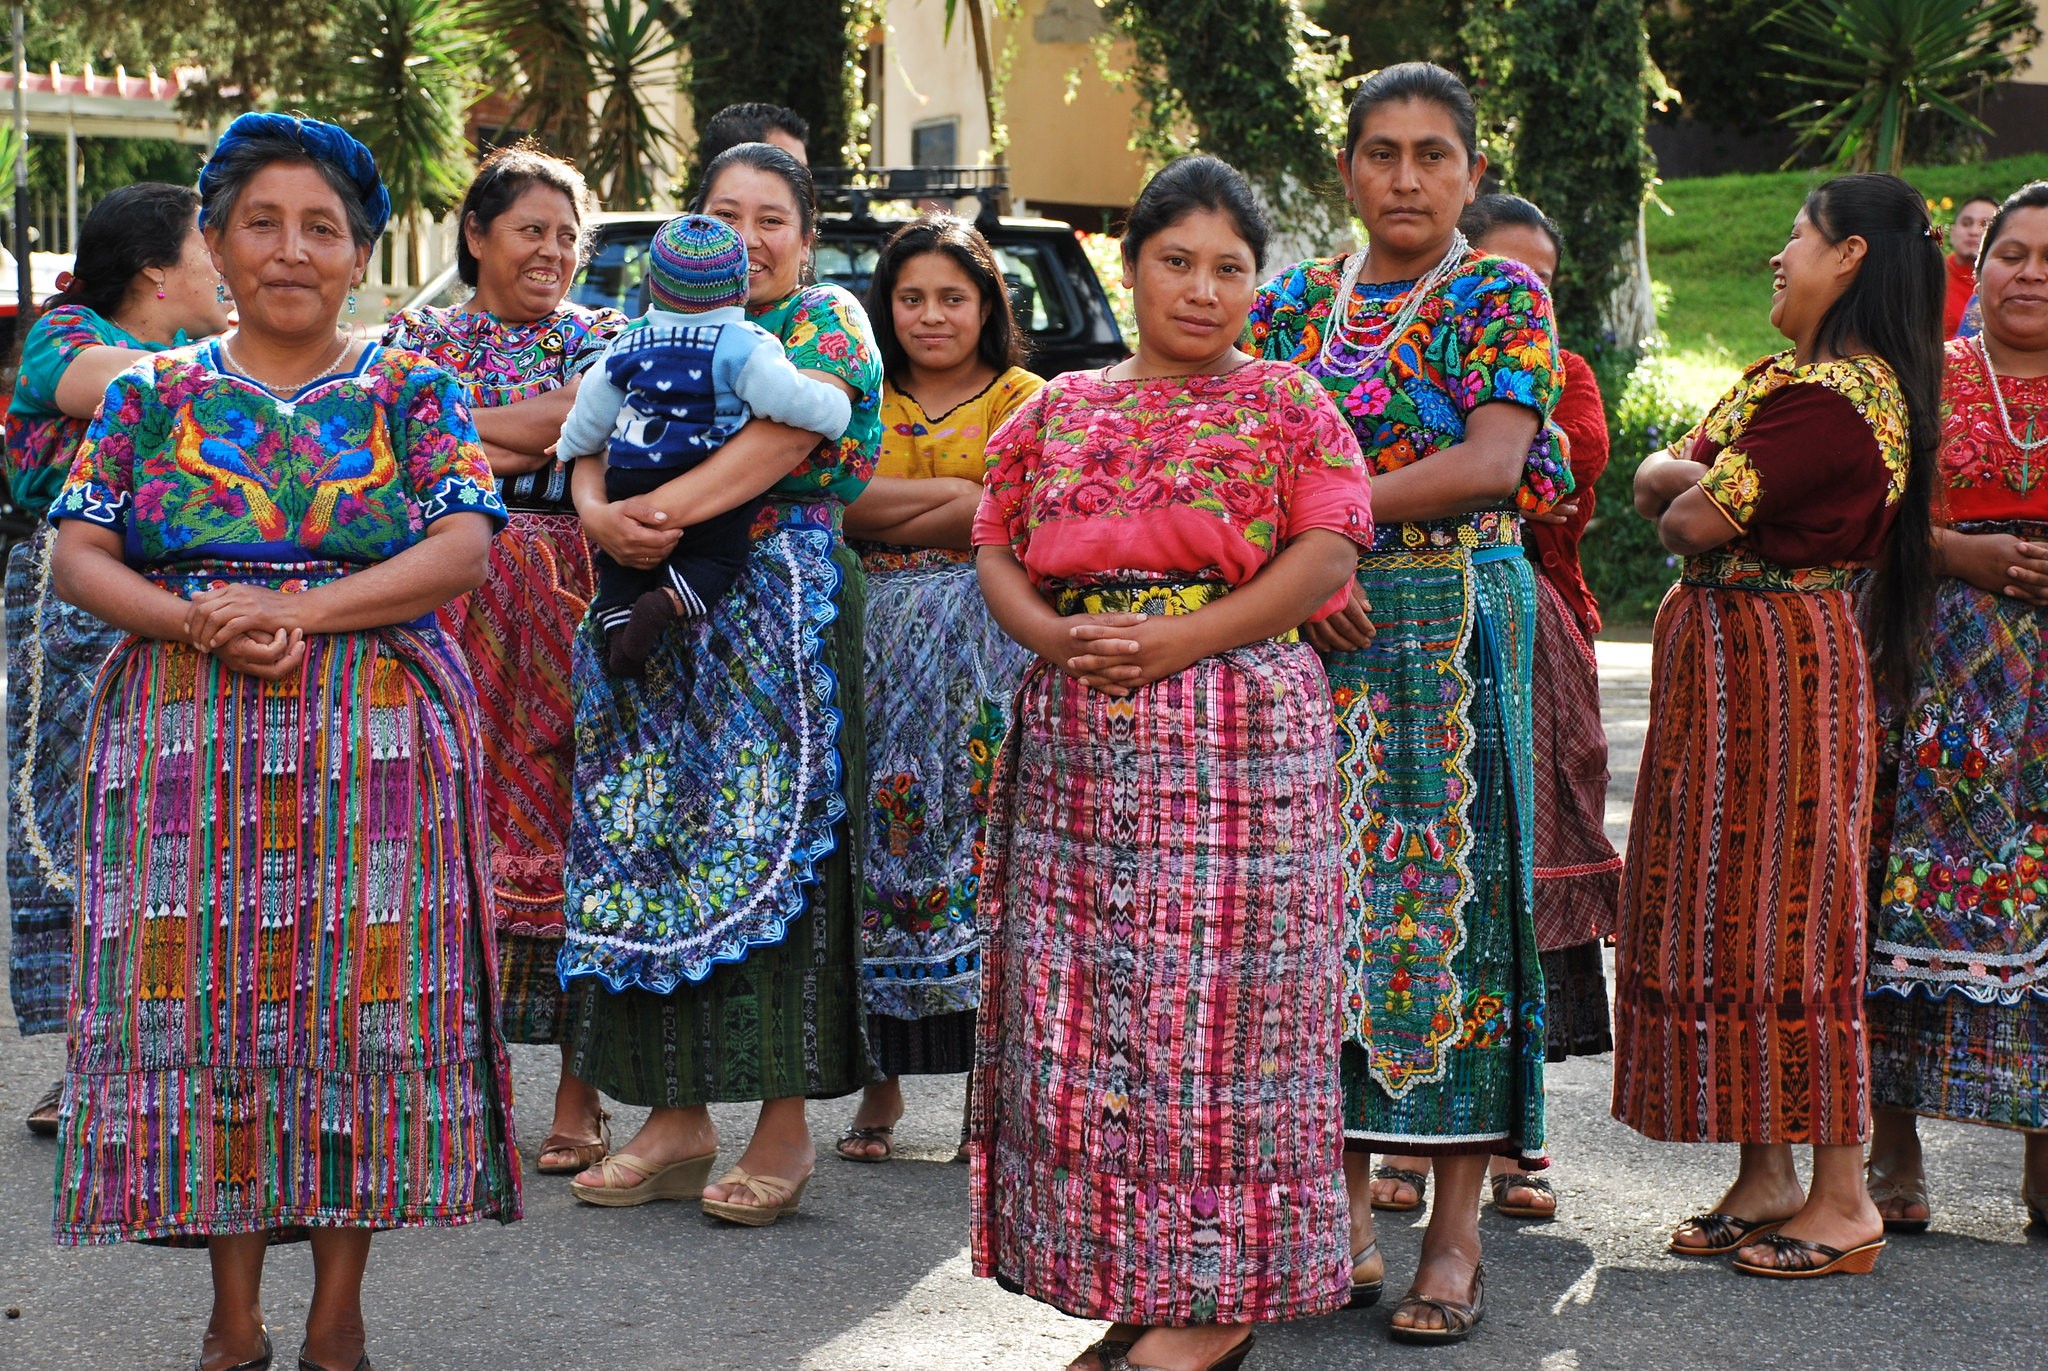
point(664, 396)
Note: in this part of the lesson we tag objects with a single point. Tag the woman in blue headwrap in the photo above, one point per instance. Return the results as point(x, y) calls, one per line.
point(281, 1001)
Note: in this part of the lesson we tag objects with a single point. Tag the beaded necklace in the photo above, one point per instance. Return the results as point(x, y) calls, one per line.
point(333, 369)
point(2026, 450)
point(1367, 353)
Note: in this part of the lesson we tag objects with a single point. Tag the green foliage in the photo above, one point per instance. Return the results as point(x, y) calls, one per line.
point(805, 54)
point(1626, 567)
point(256, 52)
point(1893, 74)
point(630, 130)
point(1564, 85)
point(546, 47)
point(1379, 33)
point(1717, 53)
point(1250, 81)
point(1711, 254)
point(401, 75)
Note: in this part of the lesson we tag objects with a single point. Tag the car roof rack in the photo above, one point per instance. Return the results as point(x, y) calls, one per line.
point(857, 189)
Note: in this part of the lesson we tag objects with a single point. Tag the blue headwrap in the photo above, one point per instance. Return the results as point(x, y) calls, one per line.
point(321, 142)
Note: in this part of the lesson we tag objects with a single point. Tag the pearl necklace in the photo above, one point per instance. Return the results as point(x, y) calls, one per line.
point(1370, 356)
point(333, 369)
point(1998, 399)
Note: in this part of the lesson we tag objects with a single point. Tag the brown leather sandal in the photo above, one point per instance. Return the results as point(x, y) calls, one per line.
point(1115, 1343)
point(584, 1153)
point(1522, 1180)
point(1417, 1180)
point(1365, 1294)
point(42, 1115)
point(1229, 1361)
point(1459, 1319)
point(1832, 1261)
point(1724, 1233)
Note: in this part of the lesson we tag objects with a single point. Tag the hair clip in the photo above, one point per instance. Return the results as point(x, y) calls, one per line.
point(65, 280)
point(1938, 233)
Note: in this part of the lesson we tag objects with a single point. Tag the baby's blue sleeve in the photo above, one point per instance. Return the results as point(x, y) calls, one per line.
point(772, 388)
point(588, 429)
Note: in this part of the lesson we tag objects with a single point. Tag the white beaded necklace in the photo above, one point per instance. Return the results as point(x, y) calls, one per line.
point(1998, 399)
point(335, 369)
point(1371, 355)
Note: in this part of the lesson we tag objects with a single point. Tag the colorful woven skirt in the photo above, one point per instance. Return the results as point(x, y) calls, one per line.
point(1154, 1110)
point(282, 1004)
point(54, 652)
point(1443, 1005)
point(1739, 1004)
point(516, 631)
point(1959, 925)
point(940, 678)
point(1578, 872)
point(713, 866)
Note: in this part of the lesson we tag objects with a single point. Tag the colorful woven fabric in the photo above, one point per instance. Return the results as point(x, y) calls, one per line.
point(41, 438)
point(1954, 1058)
point(1578, 872)
point(786, 1020)
point(265, 868)
point(516, 631)
point(1443, 992)
point(1739, 1004)
point(54, 652)
point(746, 683)
point(916, 445)
point(1982, 475)
point(1485, 335)
point(940, 677)
point(501, 363)
point(1581, 416)
point(327, 143)
point(1154, 1104)
point(697, 263)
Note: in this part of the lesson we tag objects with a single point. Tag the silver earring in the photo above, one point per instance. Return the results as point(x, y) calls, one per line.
point(220, 291)
point(351, 302)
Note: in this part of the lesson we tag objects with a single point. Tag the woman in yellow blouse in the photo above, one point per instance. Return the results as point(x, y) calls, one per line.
point(940, 673)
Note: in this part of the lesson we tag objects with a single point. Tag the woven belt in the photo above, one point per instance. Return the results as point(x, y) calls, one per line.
point(1148, 597)
point(1747, 571)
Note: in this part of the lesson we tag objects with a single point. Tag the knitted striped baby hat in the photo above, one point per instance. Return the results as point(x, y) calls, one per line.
point(697, 264)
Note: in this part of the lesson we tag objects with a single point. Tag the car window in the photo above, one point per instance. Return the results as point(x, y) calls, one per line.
point(611, 278)
point(1032, 274)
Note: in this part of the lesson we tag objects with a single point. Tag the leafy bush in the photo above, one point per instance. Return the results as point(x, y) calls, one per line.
point(1626, 567)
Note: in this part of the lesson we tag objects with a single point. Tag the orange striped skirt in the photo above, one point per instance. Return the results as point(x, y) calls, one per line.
point(1739, 1015)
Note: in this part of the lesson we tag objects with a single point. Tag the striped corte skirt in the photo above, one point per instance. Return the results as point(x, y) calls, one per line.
point(518, 631)
point(282, 1005)
point(1155, 1106)
point(54, 651)
point(1739, 1004)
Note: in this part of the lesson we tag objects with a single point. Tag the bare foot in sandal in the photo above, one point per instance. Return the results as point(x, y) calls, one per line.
point(1400, 1184)
point(1896, 1175)
point(1519, 1195)
point(577, 1138)
point(779, 1151)
point(871, 1135)
point(669, 1136)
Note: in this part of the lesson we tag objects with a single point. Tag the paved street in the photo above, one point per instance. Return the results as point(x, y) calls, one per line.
point(872, 1276)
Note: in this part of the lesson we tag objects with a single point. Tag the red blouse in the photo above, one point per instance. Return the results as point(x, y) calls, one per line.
point(1983, 474)
point(1554, 548)
point(1808, 462)
point(1962, 284)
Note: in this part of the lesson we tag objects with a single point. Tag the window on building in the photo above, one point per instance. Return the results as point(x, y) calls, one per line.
point(936, 144)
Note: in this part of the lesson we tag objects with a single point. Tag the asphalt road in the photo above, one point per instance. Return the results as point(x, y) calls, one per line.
point(872, 1275)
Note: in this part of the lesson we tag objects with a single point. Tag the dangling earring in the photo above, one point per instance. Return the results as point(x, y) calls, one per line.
point(220, 291)
point(351, 302)
point(159, 292)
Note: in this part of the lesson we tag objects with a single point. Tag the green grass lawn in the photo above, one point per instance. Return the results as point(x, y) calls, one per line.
point(1710, 258)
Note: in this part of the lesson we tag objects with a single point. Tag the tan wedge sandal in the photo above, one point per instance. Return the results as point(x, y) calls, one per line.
point(683, 1180)
point(774, 1198)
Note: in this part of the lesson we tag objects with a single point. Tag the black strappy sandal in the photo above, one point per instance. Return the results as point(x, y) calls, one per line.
point(1522, 1180)
point(1813, 1258)
point(884, 1134)
point(1230, 1361)
point(1459, 1319)
point(1365, 1294)
point(1107, 1350)
point(261, 1362)
point(1416, 1180)
point(1724, 1234)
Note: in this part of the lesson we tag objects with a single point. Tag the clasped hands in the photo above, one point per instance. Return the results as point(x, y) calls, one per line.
point(249, 629)
point(1119, 653)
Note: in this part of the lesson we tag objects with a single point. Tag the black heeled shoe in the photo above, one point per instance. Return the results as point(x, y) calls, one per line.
point(308, 1364)
point(259, 1363)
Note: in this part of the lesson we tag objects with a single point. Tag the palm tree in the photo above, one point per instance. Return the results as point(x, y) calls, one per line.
point(402, 75)
point(1893, 69)
point(631, 133)
point(547, 44)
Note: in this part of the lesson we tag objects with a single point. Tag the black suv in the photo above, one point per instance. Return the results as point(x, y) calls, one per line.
point(1054, 290)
